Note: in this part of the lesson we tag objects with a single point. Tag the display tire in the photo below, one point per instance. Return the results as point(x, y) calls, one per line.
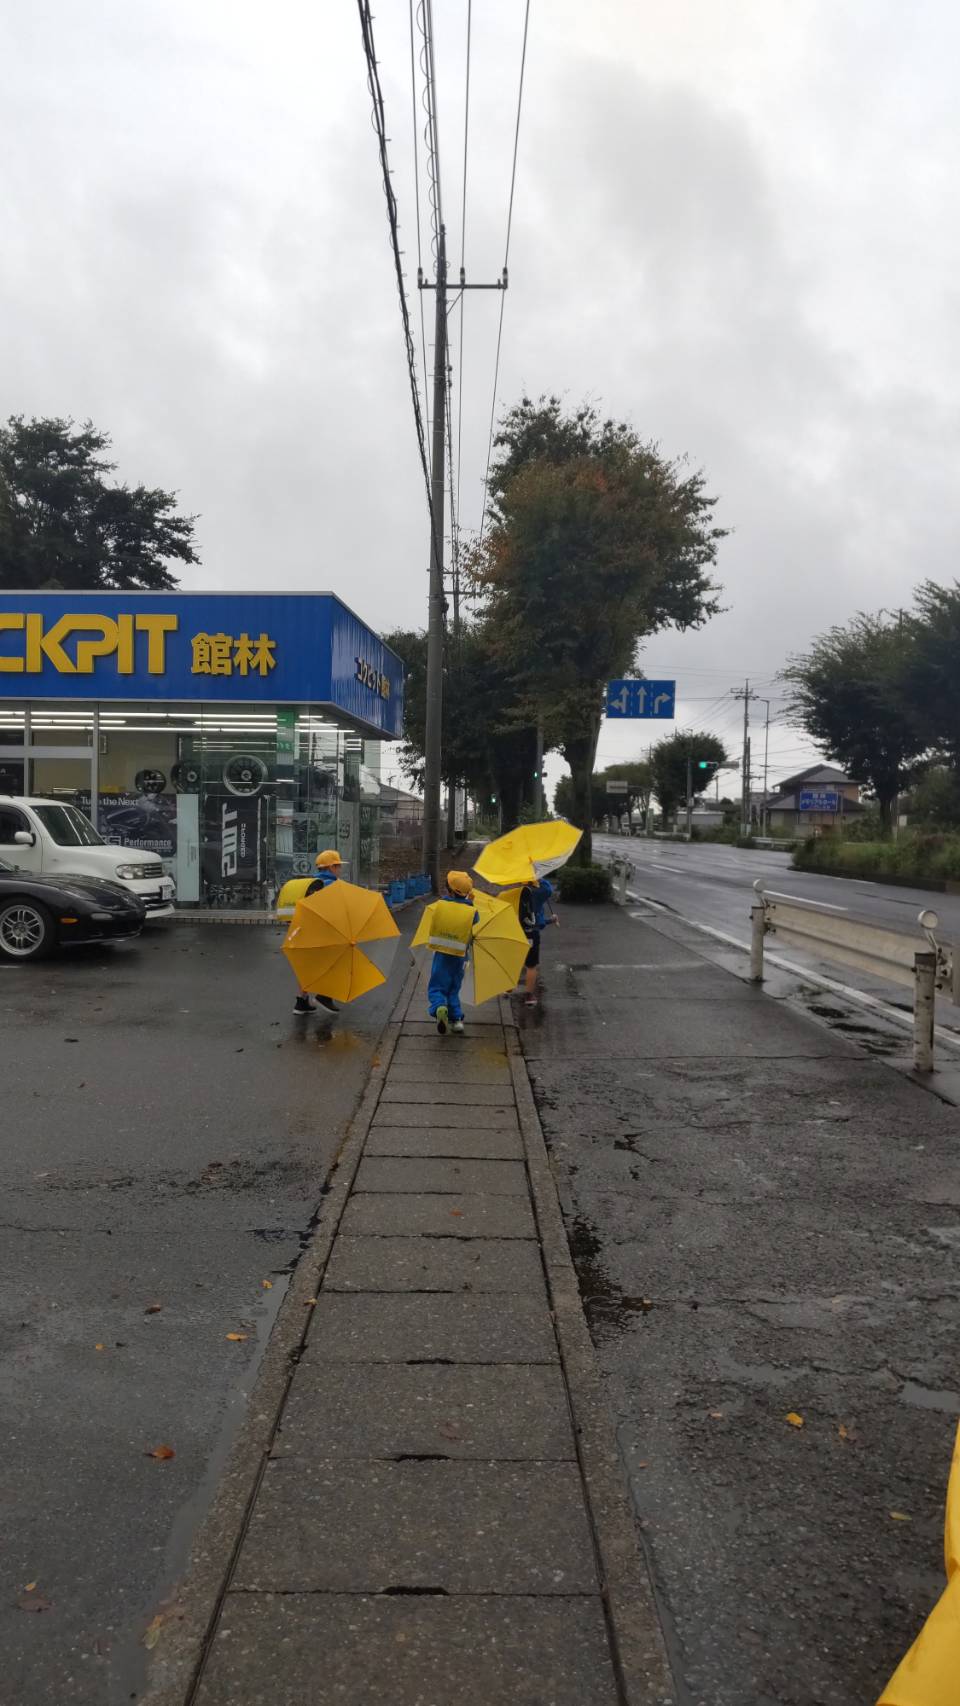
point(27, 931)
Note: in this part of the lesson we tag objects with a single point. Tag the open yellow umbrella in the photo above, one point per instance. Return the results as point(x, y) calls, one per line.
point(930, 1672)
point(341, 941)
point(497, 950)
point(528, 853)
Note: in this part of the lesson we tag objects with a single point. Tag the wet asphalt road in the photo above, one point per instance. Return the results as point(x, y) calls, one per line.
point(167, 1126)
point(765, 1221)
point(712, 884)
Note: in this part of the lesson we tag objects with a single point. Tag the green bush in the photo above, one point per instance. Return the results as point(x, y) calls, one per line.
point(921, 857)
point(584, 884)
point(746, 841)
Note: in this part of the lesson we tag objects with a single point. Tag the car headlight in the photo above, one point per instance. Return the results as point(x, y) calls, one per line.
point(129, 871)
point(102, 917)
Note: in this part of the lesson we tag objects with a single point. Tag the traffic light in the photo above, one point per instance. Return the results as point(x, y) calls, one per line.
point(703, 763)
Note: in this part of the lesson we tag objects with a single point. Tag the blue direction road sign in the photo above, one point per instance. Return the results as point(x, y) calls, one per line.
point(819, 800)
point(648, 699)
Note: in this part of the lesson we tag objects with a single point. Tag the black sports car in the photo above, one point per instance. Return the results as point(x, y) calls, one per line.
point(40, 913)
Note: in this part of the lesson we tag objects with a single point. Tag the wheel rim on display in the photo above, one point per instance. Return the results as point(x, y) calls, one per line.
point(21, 930)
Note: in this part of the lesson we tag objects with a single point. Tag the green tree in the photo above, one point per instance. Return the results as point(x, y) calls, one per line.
point(849, 696)
point(931, 668)
point(63, 524)
point(594, 541)
point(935, 799)
point(669, 764)
point(485, 743)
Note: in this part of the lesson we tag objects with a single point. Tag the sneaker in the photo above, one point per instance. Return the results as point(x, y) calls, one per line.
point(325, 1002)
point(457, 1027)
point(304, 1004)
point(532, 1001)
point(442, 1016)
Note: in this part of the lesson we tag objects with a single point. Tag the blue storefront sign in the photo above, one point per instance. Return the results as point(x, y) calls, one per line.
point(819, 800)
point(268, 648)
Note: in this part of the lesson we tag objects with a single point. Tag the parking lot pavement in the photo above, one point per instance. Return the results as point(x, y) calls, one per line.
point(765, 1223)
point(167, 1127)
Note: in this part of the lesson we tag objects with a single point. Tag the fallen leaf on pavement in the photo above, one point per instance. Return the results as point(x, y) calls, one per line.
point(34, 1602)
point(29, 1587)
point(794, 1420)
point(162, 1453)
point(901, 1516)
point(717, 1415)
point(448, 1430)
point(310, 1303)
point(98, 1347)
point(151, 1634)
point(153, 1309)
point(843, 1432)
point(267, 1285)
point(235, 1338)
point(456, 1211)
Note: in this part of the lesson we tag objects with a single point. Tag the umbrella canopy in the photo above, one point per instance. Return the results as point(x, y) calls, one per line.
point(341, 941)
point(528, 853)
point(498, 953)
point(291, 892)
point(928, 1675)
point(498, 948)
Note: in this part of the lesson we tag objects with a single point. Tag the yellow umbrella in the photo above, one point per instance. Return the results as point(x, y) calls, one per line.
point(928, 1675)
point(528, 853)
point(341, 941)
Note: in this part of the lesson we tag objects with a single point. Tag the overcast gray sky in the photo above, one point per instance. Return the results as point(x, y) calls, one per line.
point(736, 224)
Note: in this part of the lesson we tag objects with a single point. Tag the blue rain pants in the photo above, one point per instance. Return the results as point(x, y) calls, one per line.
point(446, 977)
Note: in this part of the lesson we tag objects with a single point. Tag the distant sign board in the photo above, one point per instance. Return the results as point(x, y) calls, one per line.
point(616, 787)
point(645, 699)
point(819, 800)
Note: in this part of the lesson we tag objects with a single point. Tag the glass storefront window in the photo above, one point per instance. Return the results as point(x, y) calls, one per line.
point(233, 800)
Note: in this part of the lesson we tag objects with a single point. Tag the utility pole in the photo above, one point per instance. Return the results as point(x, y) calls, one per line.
point(434, 719)
point(689, 790)
point(433, 757)
point(766, 765)
point(745, 694)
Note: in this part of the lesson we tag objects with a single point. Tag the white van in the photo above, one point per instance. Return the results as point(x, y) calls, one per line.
point(53, 838)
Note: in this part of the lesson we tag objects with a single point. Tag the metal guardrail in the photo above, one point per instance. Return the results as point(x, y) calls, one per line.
point(917, 960)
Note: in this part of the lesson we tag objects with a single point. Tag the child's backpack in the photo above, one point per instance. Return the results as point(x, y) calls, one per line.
point(451, 926)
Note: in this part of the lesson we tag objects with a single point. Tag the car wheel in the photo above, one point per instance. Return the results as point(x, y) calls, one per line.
point(26, 930)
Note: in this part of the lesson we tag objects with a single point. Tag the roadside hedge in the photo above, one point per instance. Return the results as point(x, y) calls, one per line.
point(584, 884)
point(918, 856)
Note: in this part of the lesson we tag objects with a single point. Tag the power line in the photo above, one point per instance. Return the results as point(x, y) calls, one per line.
point(463, 239)
point(416, 184)
point(380, 128)
point(506, 258)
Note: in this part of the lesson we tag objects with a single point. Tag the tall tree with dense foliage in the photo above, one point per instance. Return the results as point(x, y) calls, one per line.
point(594, 541)
point(668, 761)
point(63, 523)
point(931, 668)
point(850, 697)
point(487, 745)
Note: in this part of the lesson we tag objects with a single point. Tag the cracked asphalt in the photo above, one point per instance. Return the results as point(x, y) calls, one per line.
point(167, 1129)
point(765, 1222)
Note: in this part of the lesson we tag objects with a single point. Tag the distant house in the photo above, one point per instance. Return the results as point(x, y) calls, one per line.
point(785, 812)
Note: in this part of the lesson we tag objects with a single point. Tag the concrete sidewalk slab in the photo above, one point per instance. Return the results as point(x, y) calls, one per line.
point(483, 1410)
point(447, 1071)
point(379, 1527)
point(434, 1264)
point(430, 1327)
point(439, 1216)
point(330, 1650)
point(469, 1142)
point(472, 1114)
point(440, 1091)
point(407, 1173)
